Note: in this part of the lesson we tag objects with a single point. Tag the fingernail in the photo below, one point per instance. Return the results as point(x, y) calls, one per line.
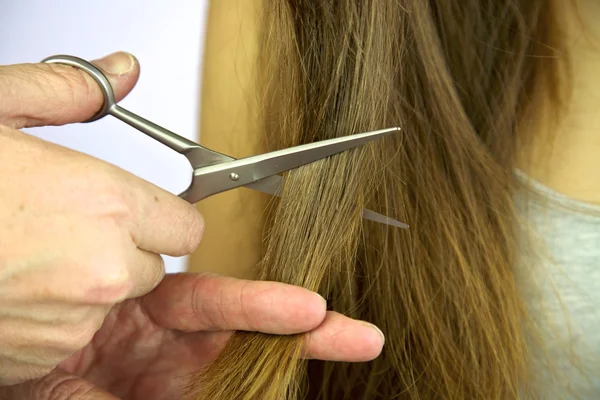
point(375, 328)
point(322, 299)
point(118, 63)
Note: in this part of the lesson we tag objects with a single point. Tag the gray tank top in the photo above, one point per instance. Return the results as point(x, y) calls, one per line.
point(565, 300)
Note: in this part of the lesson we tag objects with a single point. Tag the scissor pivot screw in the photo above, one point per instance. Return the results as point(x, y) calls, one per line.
point(233, 176)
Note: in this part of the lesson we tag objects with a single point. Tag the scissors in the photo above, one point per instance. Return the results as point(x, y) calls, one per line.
point(214, 172)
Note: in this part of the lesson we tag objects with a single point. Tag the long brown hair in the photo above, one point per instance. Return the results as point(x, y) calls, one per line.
point(458, 77)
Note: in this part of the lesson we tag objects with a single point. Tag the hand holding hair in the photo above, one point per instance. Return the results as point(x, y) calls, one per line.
point(149, 347)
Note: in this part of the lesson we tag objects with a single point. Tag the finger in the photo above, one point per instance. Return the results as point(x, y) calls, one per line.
point(200, 302)
point(122, 272)
point(340, 338)
point(146, 270)
point(54, 94)
point(58, 385)
point(163, 223)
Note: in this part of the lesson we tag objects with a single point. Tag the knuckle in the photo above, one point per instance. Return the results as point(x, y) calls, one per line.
point(106, 280)
point(112, 200)
point(7, 91)
point(72, 85)
point(110, 287)
point(247, 315)
point(194, 234)
point(158, 271)
point(208, 314)
point(78, 336)
point(80, 82)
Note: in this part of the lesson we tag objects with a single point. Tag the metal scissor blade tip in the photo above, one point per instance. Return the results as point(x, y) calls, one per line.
point(284, 160)
point(272, 185)
point(382, 219)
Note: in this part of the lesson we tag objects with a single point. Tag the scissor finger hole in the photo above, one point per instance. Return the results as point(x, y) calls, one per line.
point(94, 72)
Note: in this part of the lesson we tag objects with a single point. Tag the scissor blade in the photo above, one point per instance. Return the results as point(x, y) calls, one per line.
point(219, 177)
point(272, 186)
point(283, 160)
point(382, 219)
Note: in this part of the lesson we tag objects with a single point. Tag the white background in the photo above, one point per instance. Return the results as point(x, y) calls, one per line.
point(166, 36)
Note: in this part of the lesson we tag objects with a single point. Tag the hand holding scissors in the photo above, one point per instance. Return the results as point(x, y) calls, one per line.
point(215, 172)
point(78, 236)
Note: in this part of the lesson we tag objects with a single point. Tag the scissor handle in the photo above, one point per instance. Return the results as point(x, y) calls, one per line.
point(195, 153)
point(107, 90)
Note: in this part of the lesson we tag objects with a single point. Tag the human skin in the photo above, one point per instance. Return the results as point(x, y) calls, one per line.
point(77, 235)
point(85, 308)
point(563, 154)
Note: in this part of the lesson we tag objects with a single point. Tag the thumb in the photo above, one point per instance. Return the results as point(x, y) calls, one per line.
point(55, 94)
point(58, 385)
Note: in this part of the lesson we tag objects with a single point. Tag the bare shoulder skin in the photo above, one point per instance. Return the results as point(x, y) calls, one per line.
point(233, 232)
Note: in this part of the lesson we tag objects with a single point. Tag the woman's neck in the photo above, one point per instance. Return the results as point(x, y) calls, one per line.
point(565, 155)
